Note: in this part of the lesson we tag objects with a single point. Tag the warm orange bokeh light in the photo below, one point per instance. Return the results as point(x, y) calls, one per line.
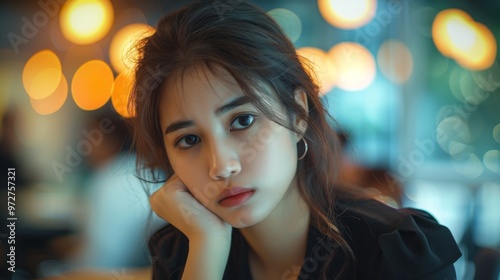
point(345, 14)
point(319, 66)
point(85, 22)
point(482, 53)
point(92, 85)
point(122, 53)
point(42, 74)
point(121, 93)
point(355, 66)
point(395, 61)
point(54, 102)
point(458, 36)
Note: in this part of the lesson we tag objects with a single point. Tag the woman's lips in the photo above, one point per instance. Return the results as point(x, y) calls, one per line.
point(235, 196)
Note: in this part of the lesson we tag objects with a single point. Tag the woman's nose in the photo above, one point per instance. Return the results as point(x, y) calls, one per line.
point(224, 161)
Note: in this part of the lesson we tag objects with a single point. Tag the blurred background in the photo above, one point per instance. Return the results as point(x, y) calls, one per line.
point(414, 85)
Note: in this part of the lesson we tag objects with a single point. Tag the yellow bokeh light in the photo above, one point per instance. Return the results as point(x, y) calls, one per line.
point(461, 33)
point(482, 53)
point(92, 85)
point(347, 14)
point(355, 64)
point(122, 53)
point(54, 102)
point(122, 89)
point(395, 61)
point(319, 66)
point(42, 74)
point(458, 36)
point(85, 22)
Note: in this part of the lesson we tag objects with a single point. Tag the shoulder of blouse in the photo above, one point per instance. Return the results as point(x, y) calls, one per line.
point(396, 243)
point(388, 243)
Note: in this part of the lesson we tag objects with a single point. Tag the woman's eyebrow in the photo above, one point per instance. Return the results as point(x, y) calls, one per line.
point(236, 102)
point(178, 125)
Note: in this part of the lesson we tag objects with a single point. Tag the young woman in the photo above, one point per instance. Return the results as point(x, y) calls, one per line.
point(228, 113)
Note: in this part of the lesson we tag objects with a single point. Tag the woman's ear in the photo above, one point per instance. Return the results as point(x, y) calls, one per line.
point(300, 120)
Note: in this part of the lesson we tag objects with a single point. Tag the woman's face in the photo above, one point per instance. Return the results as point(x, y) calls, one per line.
point(220, 145)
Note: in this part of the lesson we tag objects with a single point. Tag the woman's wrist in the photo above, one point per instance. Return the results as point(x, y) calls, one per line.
point(218, 243)
point(219, 234)
point(207, 258)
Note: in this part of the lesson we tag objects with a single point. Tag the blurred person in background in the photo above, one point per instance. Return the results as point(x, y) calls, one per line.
point(117, 218)
point(376, 180)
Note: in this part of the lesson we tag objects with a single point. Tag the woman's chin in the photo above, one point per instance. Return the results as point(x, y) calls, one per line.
point(243, 220)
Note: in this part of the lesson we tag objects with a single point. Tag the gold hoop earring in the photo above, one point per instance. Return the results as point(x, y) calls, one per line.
point(305, 149)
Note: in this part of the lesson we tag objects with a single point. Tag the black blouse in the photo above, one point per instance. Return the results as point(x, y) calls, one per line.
point(388, 243)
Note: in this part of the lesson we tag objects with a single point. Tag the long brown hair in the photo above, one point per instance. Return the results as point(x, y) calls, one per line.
point(244, 41)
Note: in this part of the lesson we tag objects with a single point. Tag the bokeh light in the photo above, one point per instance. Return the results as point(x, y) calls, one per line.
point(52, 103)
point(491, 160)
point(355, 64)
point(122, 89)
point(289, 21)
point(42, 74)
point(454, 134)
point(470, 91)
point(395, 61)
point(319, 66)
point(496, 133)
point(482, 54)
point(122, 52)
point(92, 85)
point(347, 14)
point(86, 21)
point(458, 36)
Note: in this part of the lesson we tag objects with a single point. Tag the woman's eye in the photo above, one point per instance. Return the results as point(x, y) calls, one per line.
point(242, 122)
point(187, 141)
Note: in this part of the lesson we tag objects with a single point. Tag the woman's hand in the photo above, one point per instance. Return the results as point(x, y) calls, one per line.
point(174, 203)
point(209, 236)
